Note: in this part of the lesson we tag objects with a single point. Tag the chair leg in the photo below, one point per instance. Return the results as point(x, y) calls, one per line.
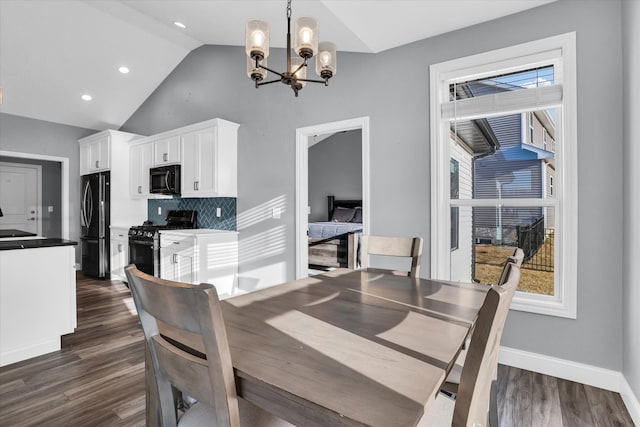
point(493, 404)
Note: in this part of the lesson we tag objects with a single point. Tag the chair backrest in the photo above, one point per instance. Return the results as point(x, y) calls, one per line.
point(392, 246)
point(481, 363)
point(187, 342)
point(516, 258)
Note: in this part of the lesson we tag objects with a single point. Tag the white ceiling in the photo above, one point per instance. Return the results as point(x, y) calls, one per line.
point(53, 51)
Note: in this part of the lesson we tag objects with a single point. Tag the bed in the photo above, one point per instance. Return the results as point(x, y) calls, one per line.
point(334, 243)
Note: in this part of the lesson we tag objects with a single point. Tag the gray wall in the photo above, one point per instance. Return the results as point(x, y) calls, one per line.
point(51, 193)
point(335, 168)
point(631, 251)
point(392, 88)
point(24, 135)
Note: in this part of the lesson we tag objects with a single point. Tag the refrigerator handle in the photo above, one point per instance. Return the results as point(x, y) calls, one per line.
point(101, 217)
point(89, 214)
point(83, 216)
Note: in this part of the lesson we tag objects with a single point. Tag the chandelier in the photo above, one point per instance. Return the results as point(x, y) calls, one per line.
point(306, 46)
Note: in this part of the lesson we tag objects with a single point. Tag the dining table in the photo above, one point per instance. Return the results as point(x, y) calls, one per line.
point(347, 347)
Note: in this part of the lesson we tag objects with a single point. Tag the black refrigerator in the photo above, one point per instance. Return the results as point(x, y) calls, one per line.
point(94, 221)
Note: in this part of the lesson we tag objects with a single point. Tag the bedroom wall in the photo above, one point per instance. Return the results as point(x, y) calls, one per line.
point(392, 89)
point(25, 135)
point(631, 155)
point(335, 168)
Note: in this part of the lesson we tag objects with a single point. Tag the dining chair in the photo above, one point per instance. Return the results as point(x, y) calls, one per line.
point(516, 258)
point(473, 382)
point(187, 342)
point(409, 247)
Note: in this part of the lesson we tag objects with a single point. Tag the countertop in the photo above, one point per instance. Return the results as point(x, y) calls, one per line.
point(196, 231)
point(32, 243)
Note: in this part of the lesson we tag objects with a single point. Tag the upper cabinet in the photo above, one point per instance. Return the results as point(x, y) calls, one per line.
point(140, 161)
point(206, 151)
point(210, 161)
point(167, 151)
point(95, 153)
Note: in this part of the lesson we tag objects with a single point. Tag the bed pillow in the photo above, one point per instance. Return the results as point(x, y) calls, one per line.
point(357, 216)
point(342, 214)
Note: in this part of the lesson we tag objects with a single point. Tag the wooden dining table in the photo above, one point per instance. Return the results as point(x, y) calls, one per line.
point(348, 347)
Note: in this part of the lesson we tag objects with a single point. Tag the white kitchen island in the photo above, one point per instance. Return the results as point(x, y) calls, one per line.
point(37, 296)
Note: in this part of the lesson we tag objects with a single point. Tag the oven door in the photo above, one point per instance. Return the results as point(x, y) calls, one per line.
point(144, 254)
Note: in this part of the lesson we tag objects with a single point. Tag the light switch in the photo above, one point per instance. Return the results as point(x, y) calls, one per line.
point(49, 209)
point(275, 213)
point(218, 212)
point(159, 210)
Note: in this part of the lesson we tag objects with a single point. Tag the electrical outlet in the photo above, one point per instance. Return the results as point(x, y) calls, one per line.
point(49, 209)
point(218, 212)
point(276, 212)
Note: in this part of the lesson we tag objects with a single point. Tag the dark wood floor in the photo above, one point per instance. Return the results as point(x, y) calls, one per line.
point(97, 379)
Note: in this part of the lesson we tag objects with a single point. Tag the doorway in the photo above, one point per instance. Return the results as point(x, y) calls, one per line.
point(63, 163)
point(21, 197)
point(305, 138)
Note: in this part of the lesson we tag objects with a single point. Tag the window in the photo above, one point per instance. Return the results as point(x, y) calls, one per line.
point(483, 104)
point(531, 128)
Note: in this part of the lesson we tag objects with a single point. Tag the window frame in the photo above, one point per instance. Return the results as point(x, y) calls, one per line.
point(561, 52)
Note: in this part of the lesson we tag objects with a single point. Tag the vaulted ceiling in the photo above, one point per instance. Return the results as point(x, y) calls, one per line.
point(54, 51)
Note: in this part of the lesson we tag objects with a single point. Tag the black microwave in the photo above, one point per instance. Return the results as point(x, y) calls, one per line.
point(164, 180)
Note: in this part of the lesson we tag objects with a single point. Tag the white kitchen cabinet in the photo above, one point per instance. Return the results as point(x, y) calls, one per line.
point(119, 243)
point(140, 161)
point(198, 256)
point(166, 151)
point(95, 154)
point(177, 256)
point(210, 160)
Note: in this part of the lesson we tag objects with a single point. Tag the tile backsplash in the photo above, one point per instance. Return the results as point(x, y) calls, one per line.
point(206, 211)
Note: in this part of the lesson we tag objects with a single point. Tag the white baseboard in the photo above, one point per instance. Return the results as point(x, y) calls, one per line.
point(630, 400)
point(573, 371)
point(17, 355)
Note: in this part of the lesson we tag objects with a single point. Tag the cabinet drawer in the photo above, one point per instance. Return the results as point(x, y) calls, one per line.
point(176, 242)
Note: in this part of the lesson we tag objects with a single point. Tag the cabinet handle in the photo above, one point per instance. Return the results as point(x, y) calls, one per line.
point(97, 163)
point(139, 189)
point(120, 246)
point(164, 157)
point(174, 258)
point(196, 185)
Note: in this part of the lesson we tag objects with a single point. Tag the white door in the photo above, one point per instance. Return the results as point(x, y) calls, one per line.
point(20, 194)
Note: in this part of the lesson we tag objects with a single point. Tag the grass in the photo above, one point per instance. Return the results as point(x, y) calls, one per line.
point(490, 261)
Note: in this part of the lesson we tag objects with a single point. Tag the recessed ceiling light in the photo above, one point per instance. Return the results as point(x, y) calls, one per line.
point(180, 25)
point(124, 70)
point(86, 97)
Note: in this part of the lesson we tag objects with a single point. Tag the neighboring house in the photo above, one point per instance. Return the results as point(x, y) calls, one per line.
point(517, 160)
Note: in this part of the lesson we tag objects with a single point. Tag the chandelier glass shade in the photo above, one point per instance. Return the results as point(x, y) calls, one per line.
point(305, 46)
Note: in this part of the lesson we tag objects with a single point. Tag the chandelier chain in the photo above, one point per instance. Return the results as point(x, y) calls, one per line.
point(289, 9)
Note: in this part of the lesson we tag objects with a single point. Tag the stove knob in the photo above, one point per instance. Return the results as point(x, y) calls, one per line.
point(148, 234)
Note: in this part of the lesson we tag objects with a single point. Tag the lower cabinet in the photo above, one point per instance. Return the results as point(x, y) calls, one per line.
point(198, 256)
point(119, 241)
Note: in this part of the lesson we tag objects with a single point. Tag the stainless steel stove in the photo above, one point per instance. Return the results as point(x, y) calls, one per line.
point(144, 240)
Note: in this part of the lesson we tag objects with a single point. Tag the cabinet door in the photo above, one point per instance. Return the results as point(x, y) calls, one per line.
point(199, 163)
point(119, 252)
point(140, 160)
point(190, 164)
point(167, 151)
point(85, 159)
point(177, 256)
point(104, 151)
point(208, 162)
